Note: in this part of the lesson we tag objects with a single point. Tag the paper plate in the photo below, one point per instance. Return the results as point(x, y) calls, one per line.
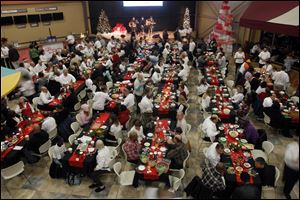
point(233, 134)
point(239, 169)
point(222, 139)
point(230, 170)
point(244, 141)
point(163, 149)
point(247, 165)
point(227, 151)
point(91, 149)
point(141, 167)
point(146, 144)
point(150, 134)
point(103, 127)
point(246, 154)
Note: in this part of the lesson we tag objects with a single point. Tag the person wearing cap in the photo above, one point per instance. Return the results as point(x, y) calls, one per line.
point(246, 190)
point(129, 101)
point(102, 165)
point(214, 152)
point(178, 154)
point(85, 115)
point(209, 127)
point(49, 123)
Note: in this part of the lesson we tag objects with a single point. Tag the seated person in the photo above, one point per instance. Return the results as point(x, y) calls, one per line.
point(247, 190)
point(41, 81)
point(250, 131)
point(238, 97)
point(12, 119)
point(214, 152)
point(24, 107)
point(60, 114)
point(213, 178)
point(178, 153)
point(129, 100)
point(138, 128)
point(85, 115)
point(202, 87)
point(132, 148)
point(45, 99)
point(265, 171)
point(185, 141)
point(209, 127)
point(205, 101)
point(37, 138)
point(156, 77)
point(114, 131)
point(49, 123)
point(99, 100)
point(103, 159)
point(66, 78)
point(181, 122)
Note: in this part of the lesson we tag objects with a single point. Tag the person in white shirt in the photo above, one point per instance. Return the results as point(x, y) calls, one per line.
point(291, 168)
point(138, 128)
point(238, 96)
point(205, 101)
point(138, 88)
point(27, 88)
point(268, 102)
point(99, 100)
point(239, 58)
point(115, 129)
point(97, 44)
point(4, 55)
point(44, 58)
point(214, 152)
point(166, 52)
point(108, 64)
point(222, 63)
point(156, 76)
point(45, 99)
point(85, 115)
point(88, 51)
point(49, 123)
point(181, 122)
point(281, 79)
point(40, 67)
point(66, 78)
point(59, 149)
point(23, 105)
point(103, 159)
point(289, 61)
point(184, 58)
point(183, 74)
point(111, 44)
point(89, 84)
point(209, 127)
point(146, 105)
point(264, 55)
point(192, 45)
point(261, 88)
point(129, 101)
point(268, 68)
point(202, 87)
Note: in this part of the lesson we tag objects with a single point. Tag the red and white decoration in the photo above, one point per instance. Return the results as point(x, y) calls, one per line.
point(119, 29)
point(222, 31)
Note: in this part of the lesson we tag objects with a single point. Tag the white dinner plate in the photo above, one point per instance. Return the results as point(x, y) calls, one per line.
point(142, 167)
point(91, 149)
point(227, 151)
point(103, 127)
point(247, 165)
point(163, 149)
point(244, 141)
point(150, 134)
point(146, 144)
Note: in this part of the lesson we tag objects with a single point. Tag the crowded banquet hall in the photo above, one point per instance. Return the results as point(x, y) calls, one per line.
point(149, 100)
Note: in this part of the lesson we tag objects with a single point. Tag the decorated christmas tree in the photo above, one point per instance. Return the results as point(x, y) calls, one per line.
point(222, 31)
point(186, 19)
point(103, 24)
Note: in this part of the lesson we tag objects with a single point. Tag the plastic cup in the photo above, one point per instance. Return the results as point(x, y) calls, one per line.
point(70, 150)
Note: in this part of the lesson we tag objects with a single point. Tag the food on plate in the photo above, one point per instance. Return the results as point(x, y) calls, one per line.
point(233, 133)
point(230, 170)
point(239, 169)
point(227, 151)
point(146, 144)
point(141, 167)
point(247, 165)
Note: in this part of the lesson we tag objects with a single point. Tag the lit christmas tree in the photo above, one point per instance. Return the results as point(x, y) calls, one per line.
point(222, 31)
point(186, 19)
point(103, 24)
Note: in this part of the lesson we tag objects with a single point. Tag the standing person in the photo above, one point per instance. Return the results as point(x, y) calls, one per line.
point(133, 24)
point(264, 55)
point(150, 23)
point(103, 159)
point(239, 58)
point(71, 42)
point(139, 89)
point(291, 168)
point(142, 25)
point(34, 54)
point(13, 56)
point(165, 36)
point(246, 190)
point(99, 100)
point(27, 88)
point(4, 53)
point(213, 45)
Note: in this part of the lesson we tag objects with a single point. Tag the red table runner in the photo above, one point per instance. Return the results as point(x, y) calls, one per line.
point(128, 75)
point(57, 101)
point(165, 100)
point(78, 160)
point(221, 113)
point(25, 129)
point(235, 155)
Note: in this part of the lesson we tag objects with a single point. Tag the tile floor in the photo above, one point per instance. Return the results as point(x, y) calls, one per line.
point(38, 184)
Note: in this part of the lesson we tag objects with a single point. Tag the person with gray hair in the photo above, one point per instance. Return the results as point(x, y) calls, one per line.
point(103, 159)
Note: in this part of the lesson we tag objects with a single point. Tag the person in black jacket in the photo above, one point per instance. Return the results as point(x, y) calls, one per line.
point(13, 56)
point(37, 138)
point(265, 171)
point(60, 114)
point(247, 190)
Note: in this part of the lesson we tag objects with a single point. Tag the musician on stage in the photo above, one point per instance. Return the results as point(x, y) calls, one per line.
point(142, 25)
point(133, 24)
point(150, 24)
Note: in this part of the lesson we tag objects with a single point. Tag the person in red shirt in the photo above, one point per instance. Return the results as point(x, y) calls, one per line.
point(24, 107)
point(123, 115)
point(132, 148)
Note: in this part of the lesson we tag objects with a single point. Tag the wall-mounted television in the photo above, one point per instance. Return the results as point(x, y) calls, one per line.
point(33, 18)
point(46, 17)
point(5, 21)
point(58, 16)
point(21, 19)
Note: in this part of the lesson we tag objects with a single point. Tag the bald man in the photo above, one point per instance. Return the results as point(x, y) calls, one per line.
point(37, 138)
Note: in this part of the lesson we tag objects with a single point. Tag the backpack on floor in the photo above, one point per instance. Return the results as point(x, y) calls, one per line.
point(73, 179)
